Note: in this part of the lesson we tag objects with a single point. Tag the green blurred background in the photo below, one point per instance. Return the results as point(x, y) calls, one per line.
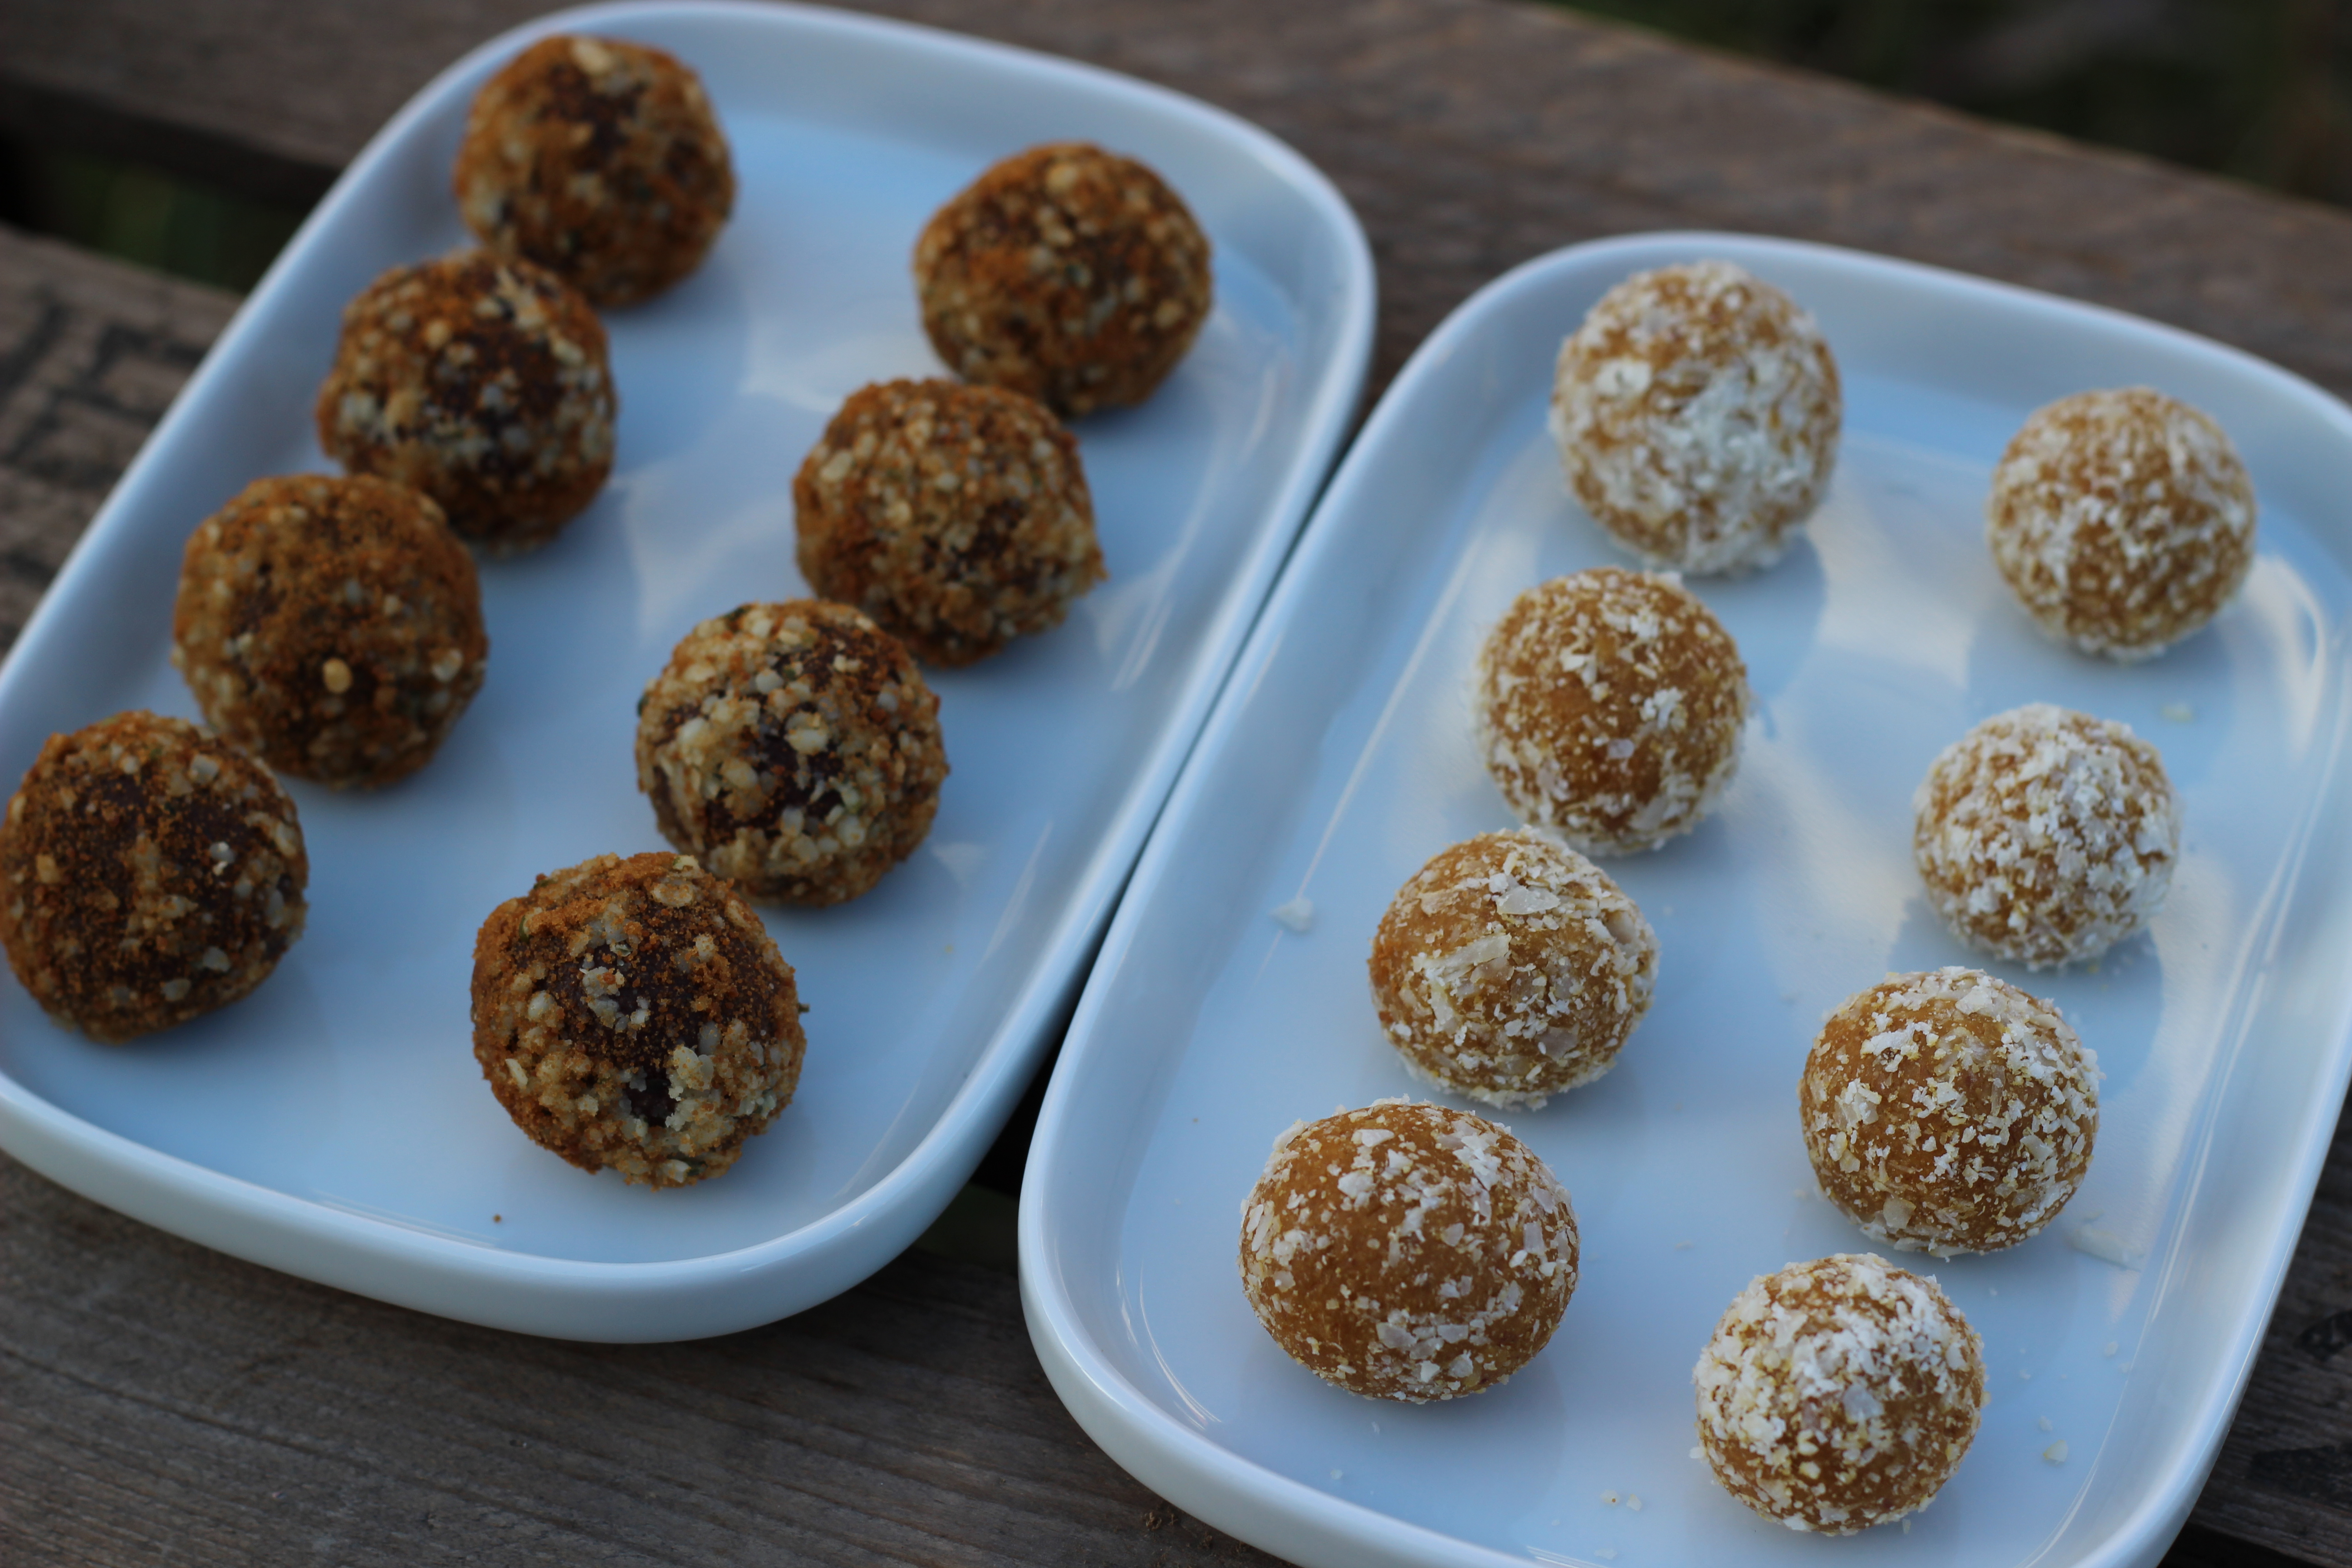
point(2254, 89)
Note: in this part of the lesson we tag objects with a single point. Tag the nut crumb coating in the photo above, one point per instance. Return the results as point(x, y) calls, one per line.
point(634, 1016)
point(153, 873)
point(793, 749)
point(1610, 706)
point(2122, 520)
point(1510, 968)
point(482, 381)
point(1070, 274)
point(330, 626)
point(956, 516)
point(1948, 1111)
point(601, 161)
point(1408, 1251)
point(1839, 1394)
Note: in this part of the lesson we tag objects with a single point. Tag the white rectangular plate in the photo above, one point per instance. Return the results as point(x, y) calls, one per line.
point(1341, 757)
point(334, 1124)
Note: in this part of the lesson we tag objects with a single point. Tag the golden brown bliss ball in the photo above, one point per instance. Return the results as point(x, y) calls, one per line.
point(480, 381)
point(1610, 706)
point(1410, 1252)
point(2047, 836)
point(795, 749)
point(1510, 968)
point(2122, 520)
point(330, 626)
point(634, 1016)
point(153, 871)
point(956, 516)
point(1065, 272)
point(1839, 1394)
point(599, 160)
point(1948, 1111)
point(1696, 411)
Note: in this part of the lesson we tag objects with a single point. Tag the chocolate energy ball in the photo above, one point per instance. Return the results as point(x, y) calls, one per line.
point(330, 626)
point(1948, 1111)
point(2046, 835)
point(153, 872)
point(956, 516)
point(480, 381)
point(1697, 411)
point(599, 160)
point(1610, 706)
point(1510, 968)
point(2122, 520)
point(795, 749)
point(634, 1016)
point(1407, 1251)
point(1839, 1394)
point(1065, 272)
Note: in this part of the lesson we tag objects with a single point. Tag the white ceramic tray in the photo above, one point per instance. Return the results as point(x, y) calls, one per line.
point(334, 1124)
point(1340, 757)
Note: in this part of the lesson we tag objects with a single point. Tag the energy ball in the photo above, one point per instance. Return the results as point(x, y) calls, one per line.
point(793, 749)
point(1948, 1111)
point(330, 626)
point(2122, 520)
point(634, 1016)
point(1510, 968)
point(153, 873)
point(1610, 706)
point(1839, 1394)
point(1407, 1251)
point(1696, 411)
point(599, 160)
point(2046, 835)
point(481, 381)
point(1065, 272)
point(956, 516)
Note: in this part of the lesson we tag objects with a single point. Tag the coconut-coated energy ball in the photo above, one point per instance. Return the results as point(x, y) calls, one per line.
point(330, 626)
point(1510, 968)
point(2046, 835)
point(1406, 1251)
point(481, 381)
point(1697, 412)
point(153, 872)
point(1609, 705)
point(2122, 520)
point(793, 749)
point(1948, 1111)
point(599, 160)
point(1065, 272)
point(1839, 1394)
point(634, 1016)
point(956, 516)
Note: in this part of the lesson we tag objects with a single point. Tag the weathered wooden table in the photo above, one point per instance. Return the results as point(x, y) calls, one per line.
point(159, 1402)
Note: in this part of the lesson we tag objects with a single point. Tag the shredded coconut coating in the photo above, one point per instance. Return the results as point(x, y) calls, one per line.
point(2122, 520)
point(1406, 1251)
point(2046, 835)
point(330, 626)
point(1609, 705)
point(153, 873)
point(1510, 968)
point(1949, 1111)
point(1839, 1394)
point(1697, 412)
point(956, 516)
point(482, 381)
point(793, 749)
point(599, 160)
point(634, 1016)
point(1065, 272)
